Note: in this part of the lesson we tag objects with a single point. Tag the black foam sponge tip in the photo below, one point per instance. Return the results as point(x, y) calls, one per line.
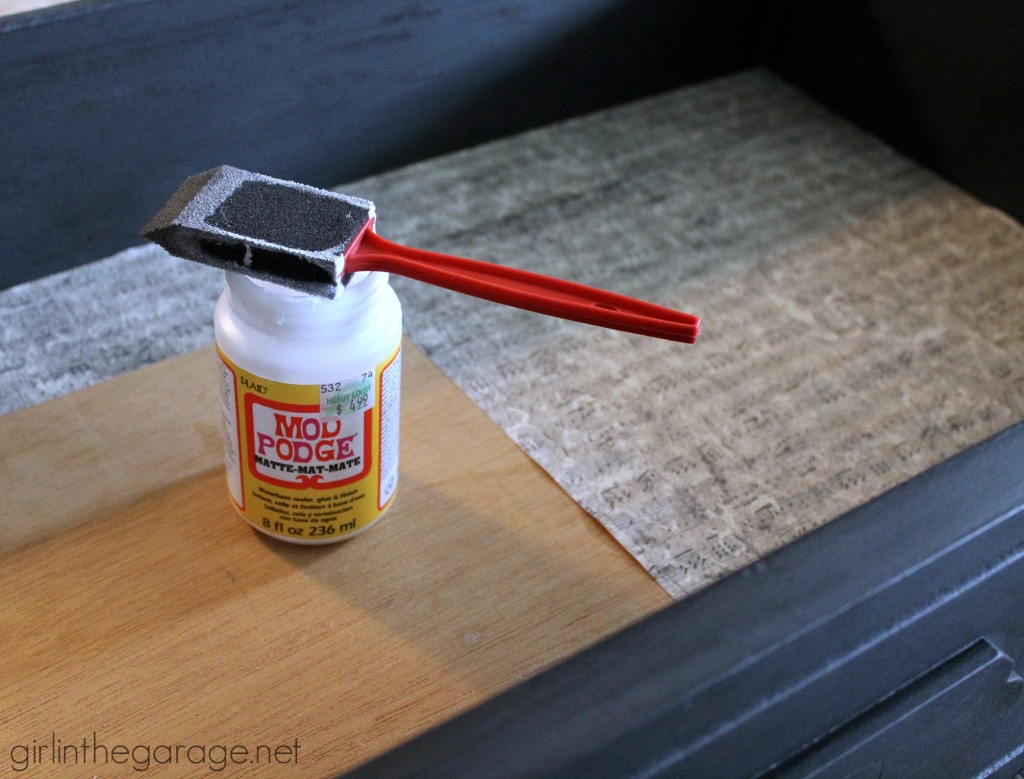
point(275, 230)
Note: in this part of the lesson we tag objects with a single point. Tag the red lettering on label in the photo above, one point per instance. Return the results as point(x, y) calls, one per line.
point(294, 446)
point(265, 441)
point(345, 446)
point(287, 427)
point(299, 439)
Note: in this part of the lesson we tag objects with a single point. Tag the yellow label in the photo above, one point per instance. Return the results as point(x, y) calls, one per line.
point(311, 462)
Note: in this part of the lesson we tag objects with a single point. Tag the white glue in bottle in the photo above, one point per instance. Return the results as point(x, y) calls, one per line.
point(309, 389)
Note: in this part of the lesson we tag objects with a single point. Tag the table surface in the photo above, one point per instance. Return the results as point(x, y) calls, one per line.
point(135, 604)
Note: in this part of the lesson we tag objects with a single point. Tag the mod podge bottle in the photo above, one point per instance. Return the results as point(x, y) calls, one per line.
point(309, 389)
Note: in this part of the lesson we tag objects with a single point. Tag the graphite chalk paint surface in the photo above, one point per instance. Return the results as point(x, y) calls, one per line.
point(310, 398)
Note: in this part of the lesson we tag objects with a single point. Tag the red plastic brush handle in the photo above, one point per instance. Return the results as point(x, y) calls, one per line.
point(521, 289)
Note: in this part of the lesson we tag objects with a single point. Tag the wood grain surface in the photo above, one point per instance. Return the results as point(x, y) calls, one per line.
point(136, 606)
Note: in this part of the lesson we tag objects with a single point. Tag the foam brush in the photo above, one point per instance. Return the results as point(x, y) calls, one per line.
point(314, 241)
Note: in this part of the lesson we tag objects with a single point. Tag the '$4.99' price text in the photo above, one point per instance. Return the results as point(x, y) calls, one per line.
point(347, 397)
